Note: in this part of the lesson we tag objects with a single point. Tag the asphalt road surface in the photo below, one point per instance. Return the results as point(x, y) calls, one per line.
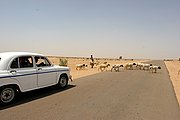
point(125, 95)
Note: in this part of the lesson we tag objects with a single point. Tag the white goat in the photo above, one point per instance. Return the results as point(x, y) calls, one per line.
point(129, 66)
point(154, 68)
point(116, 67)
point(80, 66)
point(139, 66)
point(146, 66)
point(103, 67)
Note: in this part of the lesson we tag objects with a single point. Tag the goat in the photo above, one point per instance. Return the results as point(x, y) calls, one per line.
point(116, 67)
point(146, 66)
point(103, 67)
point(139, 66)
point(129, 66)
point(80, 66)
point(154, 68)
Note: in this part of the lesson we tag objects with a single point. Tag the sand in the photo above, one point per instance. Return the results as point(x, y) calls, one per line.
point(173, 68)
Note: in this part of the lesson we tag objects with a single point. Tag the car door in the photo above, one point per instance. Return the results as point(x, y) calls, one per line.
point(45, 71)
point(23, 70)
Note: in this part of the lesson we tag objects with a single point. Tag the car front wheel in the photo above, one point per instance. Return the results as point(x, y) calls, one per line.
point(63, 81)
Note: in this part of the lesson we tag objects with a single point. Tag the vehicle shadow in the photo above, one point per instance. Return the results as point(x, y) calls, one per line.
point(34, 95)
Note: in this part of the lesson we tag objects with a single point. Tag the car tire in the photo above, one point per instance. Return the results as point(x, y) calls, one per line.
point(8, 95)
point(63, 81)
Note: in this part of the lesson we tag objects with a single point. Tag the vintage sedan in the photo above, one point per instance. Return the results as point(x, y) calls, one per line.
point(24, 71)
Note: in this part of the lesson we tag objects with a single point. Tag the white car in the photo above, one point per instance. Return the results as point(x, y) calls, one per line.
point(24, 71)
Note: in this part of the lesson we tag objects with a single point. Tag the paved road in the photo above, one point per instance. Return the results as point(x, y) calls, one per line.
point(128, 95)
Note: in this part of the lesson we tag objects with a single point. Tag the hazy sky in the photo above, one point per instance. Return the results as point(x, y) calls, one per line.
point(104, 28)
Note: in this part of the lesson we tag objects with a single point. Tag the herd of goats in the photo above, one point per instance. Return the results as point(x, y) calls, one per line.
point(118, 67)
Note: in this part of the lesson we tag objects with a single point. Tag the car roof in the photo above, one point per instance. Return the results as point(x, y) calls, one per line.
point(6, 57)
point(12, 54)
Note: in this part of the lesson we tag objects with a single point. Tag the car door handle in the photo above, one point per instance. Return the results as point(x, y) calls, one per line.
point(13, 71)
point(39, 68)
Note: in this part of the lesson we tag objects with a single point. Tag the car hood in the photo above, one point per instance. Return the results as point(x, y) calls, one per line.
point(62, 67)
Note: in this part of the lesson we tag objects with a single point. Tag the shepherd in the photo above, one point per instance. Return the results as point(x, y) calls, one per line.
point(92, 61)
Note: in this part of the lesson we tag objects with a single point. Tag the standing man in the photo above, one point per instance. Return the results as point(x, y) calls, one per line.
point(92, 61)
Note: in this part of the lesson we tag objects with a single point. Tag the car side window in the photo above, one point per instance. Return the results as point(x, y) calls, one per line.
point(25, 62)
point(41, 61)
point(14, 63)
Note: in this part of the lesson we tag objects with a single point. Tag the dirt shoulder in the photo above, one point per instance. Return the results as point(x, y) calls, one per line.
point(173, 69)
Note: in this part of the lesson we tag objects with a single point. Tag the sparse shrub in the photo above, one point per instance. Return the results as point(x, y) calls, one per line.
point(63, 62)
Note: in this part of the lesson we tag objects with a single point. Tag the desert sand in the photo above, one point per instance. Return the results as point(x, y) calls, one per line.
point(173, 69)
point(172, 66)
